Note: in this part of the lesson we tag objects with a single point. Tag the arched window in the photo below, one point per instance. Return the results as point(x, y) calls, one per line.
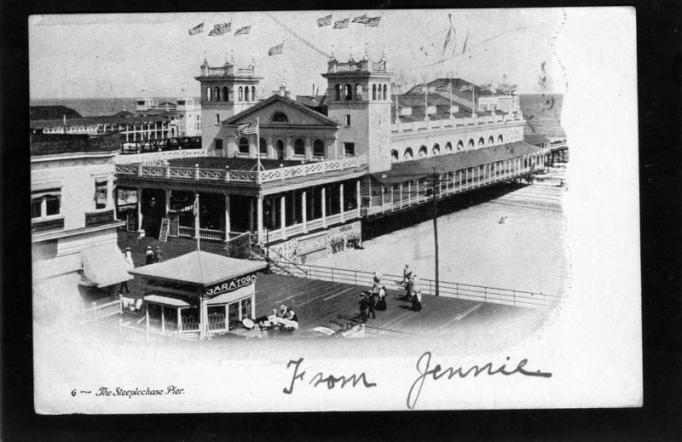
point(436, 149)
point(471, 144)
point(318, 148)
point(394, 155)
point(243, 145)
point(246, 93)
point(216, 92)
point(423, 151)
point(299, 147)
point(500, 138)
point(280, 117)
point(241, 94)
point(349, 92)
point(226, 94)
point(491, 140)
point(337, 88)
point(374, 92)
point(263, 146)
point(460, 145)
point(385, 89)
point(280, 149)
point(358, 91)
point(408, 155)
point(253, 93)
point(481, 142)
point(448, 147)
point(209, 94)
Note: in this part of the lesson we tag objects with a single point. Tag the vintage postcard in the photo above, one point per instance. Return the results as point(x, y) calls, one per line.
point(335, 210)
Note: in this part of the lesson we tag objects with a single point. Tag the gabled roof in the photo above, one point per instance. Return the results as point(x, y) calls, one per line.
point(288, 102)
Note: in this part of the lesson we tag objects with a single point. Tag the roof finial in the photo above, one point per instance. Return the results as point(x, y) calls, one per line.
point(365, 56)
point(232, 56)
point(351, 59)
point(331, 56)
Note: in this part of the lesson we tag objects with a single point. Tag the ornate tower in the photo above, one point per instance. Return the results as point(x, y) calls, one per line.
point(225, 91)
point(359, 100)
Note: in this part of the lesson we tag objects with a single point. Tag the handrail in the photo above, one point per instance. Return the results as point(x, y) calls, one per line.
point(458, 290)
point(285, 260)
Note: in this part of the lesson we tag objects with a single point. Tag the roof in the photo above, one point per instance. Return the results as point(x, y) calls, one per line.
point(166, 300)
point(535, 139)
point(287, 101)
point(199, 268)
point(104, 266)
point(122, 117)
point(52, 112)
point(407, 170)
point(54, 144)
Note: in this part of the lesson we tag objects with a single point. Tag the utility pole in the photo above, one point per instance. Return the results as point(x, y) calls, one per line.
point(436, 186)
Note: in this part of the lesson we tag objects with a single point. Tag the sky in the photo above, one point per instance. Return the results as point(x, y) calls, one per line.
point(131, 55)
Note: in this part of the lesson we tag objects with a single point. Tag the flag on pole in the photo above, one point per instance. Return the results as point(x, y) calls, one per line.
point(373, 22)
point(246, 129)
point(466, 87)
point(362, 19)
point(220, 29)
point(341, 24)
point(464, 47)
point(195, 206)
point(243, 31)
point(449, 36)
point(324, 21)
point(197, 29)
point(276, 50)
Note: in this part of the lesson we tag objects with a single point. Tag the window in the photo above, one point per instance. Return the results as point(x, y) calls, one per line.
point(436, 149)
point(337, 89)
point(45, 203)
point(408, 155)
point(448, 147)
point(216, 91)
point(500, 138)
point(209, 96)
point(491, 140)
point(349, 149)
point(263, 146)
point(246, 308)
point(347, 119)
point(241, 94)
point(471, 143)
point(217, 118)
point(243, 145)
point(481, 142)
point(280, 117)
point(349, 92)
point(100, 194)
point(318, 148)
point(246, 93)
point(460, 145)
point(253, 93)
point(423, 151)
point(374, 92)
point(358, 91)
point(226, 94)
point(218, 144)
point(299, 147)
point(385, 90)
point(394, 155)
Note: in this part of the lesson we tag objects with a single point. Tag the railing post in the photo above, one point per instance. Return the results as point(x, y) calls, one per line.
point(332, 274)
point(139, 170)
point(485, 294)
point(514, 298)
point(227, 173)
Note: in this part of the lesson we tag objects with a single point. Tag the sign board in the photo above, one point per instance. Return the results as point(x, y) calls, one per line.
point(163, 231)
point(230, 285)
point(174, 230)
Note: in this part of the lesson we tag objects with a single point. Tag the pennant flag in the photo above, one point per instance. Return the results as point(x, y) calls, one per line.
point(195, 206)
point(467, 87)
point(243, 31)
point(362, 19)
point(341, 24)
point(324, 21)
point(449, 36)
point(276, 50)
point(220, 29)
point(464, 47)
point(373, 22)
point(246, 129)
point(197, 29)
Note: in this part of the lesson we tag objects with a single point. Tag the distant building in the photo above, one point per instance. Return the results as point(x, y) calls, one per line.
point(75, 258)
point(52, 113)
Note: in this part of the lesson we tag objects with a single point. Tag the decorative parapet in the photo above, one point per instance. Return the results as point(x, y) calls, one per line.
point(156, 157)
point(243, 176)
point(454, 122)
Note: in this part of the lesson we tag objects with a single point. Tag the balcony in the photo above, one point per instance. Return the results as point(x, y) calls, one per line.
point(93, 219)
point(455, 122)
point(47, 225)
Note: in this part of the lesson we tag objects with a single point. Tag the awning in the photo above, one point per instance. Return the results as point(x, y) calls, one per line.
point(104, 266)
point(165, 300)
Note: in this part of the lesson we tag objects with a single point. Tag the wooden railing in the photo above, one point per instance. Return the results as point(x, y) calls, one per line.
point(207, 234)
point(227, 175)
point(456, 290)
point(454, 122)
point(103, 310)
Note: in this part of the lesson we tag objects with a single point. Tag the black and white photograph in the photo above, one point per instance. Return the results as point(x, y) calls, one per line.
point(335, 210)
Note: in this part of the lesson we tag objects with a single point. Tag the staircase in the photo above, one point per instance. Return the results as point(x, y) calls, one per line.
point(282, 267)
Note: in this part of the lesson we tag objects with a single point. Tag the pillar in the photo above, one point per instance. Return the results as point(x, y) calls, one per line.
point(163, 320)
point(251, 211)
point(179, 321)
point(283, 214)
point(358, 197)
point(227, 218)
point(197, 218)
point(409, 191)
point(304, 210)
point(110, 194)
point(343, 217)
point(203, 318)
point(259, 219)
point(324, 206)
point(168, 199)
point(400, 194)
point(369, 187)
point(139, 209)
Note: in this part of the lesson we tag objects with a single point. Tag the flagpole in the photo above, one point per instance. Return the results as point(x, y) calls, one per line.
point(196, 220)
point(258, 144)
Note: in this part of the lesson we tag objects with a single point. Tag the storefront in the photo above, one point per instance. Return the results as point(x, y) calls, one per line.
point(199, 293)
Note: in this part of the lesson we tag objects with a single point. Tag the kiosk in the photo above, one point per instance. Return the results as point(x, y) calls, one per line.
point(199, 293)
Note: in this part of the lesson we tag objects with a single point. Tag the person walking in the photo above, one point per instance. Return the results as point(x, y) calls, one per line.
point(158, 254)
point(129, 258)
point(149, 256)
point(407, 274)
point(124, 284)
point(371, 302)
point(381, 304)
point(417, 301)
point(409, 285)
point(363, 307)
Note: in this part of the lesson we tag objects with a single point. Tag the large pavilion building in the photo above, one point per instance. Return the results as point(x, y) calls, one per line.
point(303, 181)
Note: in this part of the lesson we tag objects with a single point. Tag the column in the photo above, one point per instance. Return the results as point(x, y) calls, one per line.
point(283, 213)
point(168, 199)
point(308, 146)
point(416, 192)
point(227, 218)
point(139, 209)
point(466, 178)
point(179, 320)
point(383, 192)
point(110, 194)
point(409, 191)
point(163, 320)
point(392, 199)
point(203, 318)
point(343, 218)
point(369, 187)
point(259, 219)
point(304, 210)
point(400, 194)
point(324, 206)
point(197, 223)
point(251, 211)
point(358, 197)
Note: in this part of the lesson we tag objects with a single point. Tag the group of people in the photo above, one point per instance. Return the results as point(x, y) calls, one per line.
point(373, 299)
point(152, 256)
point(412, 292)
point(283, 319)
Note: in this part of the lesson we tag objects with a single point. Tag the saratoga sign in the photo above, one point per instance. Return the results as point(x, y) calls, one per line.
point(231, 285)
